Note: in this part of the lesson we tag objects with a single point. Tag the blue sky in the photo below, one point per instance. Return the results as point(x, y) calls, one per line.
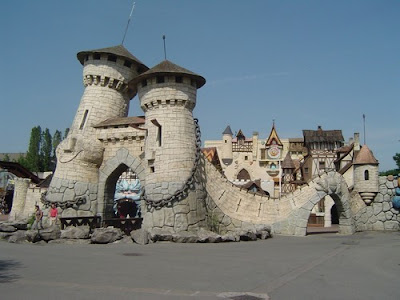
point(302, 63)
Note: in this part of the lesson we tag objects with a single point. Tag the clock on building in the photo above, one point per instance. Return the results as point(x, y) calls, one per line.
point(274, 152)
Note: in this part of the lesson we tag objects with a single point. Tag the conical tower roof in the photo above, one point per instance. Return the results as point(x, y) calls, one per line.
point(119, 50)
point(288, 163)
point(168, 68)
point(365, 157)
point(273, 136)
point(228, 130)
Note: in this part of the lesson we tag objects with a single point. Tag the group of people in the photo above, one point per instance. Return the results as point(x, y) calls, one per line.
point(52, 217)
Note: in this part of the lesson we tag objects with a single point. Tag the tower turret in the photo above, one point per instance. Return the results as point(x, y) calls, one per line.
point(227, 155)
point(366, 175)
point(167, 95)
point(106, 74)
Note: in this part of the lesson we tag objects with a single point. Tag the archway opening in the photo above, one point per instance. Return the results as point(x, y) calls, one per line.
point(122, 194)
point(334, 215)
point(243, 175)
point(324, 217)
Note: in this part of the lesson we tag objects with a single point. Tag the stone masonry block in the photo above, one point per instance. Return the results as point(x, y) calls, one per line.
point(81, 188)
point(69, 195)
point(377, 208)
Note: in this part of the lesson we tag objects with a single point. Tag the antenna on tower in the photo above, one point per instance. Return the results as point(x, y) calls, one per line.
point(127, 25)
point(165, 49)
point(364, 129)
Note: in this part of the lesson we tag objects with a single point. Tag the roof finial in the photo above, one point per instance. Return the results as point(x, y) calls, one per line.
point(273, 122)
point(127, 25)
point(165, 49)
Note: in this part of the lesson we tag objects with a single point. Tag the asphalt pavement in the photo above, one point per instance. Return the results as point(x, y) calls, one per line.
point(321, 266)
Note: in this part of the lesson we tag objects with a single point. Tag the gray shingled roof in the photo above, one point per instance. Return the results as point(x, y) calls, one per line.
point(288, 163)
point(119, 50)
point(168, 68)
point(312, 136)
point(228, 130)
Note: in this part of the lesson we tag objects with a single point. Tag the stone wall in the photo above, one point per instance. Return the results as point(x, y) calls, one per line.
point(188, 214)
point(380, 215)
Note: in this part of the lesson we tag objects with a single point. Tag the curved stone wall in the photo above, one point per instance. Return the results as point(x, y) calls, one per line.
point(380, 215)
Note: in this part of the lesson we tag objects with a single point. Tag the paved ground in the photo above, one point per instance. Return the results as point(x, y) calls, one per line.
point(322, 266)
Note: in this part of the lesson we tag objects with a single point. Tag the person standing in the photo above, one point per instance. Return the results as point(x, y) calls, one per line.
point(38, 218)
point(53, 214)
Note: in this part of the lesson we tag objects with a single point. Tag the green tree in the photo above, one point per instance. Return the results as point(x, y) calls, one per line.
point(397, 159)
point(57, 138)
point(6, 157)
point(66, 133)
point(46, 152)
point(32, 159)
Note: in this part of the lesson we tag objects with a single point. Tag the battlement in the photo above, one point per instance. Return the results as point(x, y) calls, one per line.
point(105, 81)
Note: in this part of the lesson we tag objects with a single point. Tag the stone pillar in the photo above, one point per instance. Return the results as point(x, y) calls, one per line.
point(21, 186)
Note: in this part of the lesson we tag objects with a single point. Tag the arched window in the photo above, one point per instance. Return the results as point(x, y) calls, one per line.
point(366, 175)
point(243, 175)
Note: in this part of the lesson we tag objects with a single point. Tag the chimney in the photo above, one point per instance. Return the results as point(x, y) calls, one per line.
point(356, 141)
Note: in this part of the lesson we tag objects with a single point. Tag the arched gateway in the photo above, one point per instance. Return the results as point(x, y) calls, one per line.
point(109, 175)
point(332, 184)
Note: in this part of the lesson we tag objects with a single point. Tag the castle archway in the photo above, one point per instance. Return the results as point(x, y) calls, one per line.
point(109, 175)
point(332, 184)
point(243, 175)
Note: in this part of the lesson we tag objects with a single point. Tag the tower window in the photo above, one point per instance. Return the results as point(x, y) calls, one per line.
point(159, 131)
point(193, 83)
point(112, 58)
point(84, 119)
point(96, 56)
point(160, 79)
point(144, 83)
point(86, 57)
point(127, 63)
point(178, 79)
point(366, 175)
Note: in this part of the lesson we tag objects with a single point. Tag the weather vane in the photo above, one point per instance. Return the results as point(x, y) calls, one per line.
point(129, 20)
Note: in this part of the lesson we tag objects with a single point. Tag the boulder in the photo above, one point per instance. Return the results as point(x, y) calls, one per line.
point(184, 237)
point(140, 236)
point(72, 232)
point(7, 228)
point(207, 236)
point(263, 235)
point(230, 237)
point(5, 235)
point(247, 235)
point(19, 225)
point(32, 236)
point(106, 235)
point(50, 233)
point(156, 235)
point(17, 237)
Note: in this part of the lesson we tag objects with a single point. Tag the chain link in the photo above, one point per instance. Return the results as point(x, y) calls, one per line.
point(183, 192)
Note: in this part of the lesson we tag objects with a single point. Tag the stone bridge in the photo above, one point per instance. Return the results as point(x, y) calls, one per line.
point(287, 215)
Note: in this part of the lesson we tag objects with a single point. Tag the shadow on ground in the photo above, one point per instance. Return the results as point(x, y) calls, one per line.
point(6, 270)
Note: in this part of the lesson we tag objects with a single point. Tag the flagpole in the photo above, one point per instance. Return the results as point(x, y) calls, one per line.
point(127, 25)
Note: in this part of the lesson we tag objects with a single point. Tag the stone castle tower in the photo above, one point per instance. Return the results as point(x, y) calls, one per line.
point(106, 74)
point(163, 149)
point(366, 175)
point(167, 95)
